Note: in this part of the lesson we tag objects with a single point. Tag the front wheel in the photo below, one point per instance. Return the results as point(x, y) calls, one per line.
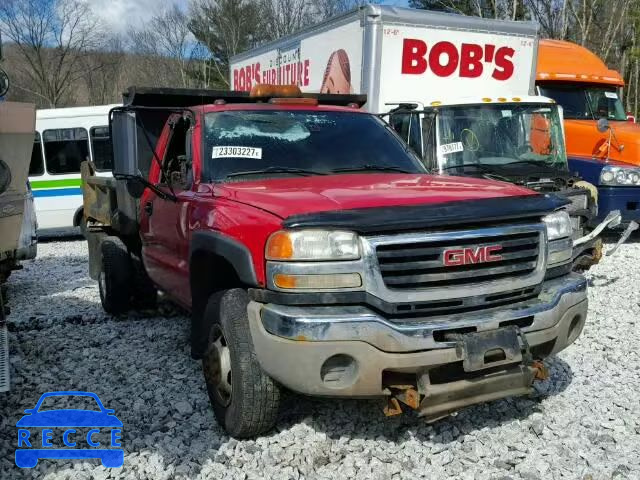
point(244, 398)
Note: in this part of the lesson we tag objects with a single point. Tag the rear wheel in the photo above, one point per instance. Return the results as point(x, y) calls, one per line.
point(115, 276)
point(244, 398)
point(145, 294)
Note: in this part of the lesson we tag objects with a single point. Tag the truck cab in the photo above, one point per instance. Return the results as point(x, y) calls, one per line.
point(603, 147)
point(316, 253)
point(516, 139)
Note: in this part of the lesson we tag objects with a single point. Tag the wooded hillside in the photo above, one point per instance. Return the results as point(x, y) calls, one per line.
point(58, 53)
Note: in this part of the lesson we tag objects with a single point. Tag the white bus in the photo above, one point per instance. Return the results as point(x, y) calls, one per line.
point(65, 137)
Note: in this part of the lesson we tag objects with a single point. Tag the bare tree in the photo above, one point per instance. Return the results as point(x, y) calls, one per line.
point(52, 37)
point(324, 9)
point(166, 42)
point(225, 28)
point(103, 77)
point(284, 17)
point(552, 15)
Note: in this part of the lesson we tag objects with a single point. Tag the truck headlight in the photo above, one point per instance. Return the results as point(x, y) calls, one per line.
point(313, 245)
point(620, 176)
point(558, 225)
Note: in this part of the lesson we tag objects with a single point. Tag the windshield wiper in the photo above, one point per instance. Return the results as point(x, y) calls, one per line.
point(379, 168)
point(295, 171)
point(487, 172)
point(536, 163)
point(464, 165)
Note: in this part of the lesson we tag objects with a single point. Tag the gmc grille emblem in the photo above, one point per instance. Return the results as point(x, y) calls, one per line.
point(471, 256)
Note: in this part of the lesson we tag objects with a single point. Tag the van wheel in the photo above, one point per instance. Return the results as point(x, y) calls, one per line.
point(115, 276)
point(244, 398)
point(145, 293)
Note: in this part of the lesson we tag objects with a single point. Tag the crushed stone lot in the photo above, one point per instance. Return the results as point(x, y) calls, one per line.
point(582, 423)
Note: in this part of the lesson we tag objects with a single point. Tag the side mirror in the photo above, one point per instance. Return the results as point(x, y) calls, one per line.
point(603, 125)
point(124, 141)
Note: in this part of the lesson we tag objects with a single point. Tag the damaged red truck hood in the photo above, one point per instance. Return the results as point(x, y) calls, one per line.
point(290, 196)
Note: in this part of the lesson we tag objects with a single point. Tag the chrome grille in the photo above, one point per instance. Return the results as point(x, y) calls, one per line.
point(420, 264)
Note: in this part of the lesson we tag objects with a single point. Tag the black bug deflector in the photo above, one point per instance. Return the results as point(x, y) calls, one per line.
point(416, 217)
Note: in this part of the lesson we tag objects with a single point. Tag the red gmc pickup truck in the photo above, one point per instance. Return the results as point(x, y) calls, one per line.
point(316, 253)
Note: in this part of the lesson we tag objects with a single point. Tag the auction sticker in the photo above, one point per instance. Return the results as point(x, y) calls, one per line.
point(448, 148)
point(236, 152)
point(611, 95)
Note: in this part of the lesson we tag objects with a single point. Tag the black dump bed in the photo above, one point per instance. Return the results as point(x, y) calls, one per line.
point(189, 97)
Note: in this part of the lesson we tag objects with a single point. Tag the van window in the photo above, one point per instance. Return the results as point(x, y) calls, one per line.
point(101, 146)
point(65, 149)
point(36, 167)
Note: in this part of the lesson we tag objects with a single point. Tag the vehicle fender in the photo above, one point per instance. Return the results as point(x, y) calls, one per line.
point(228, 248)
point(207, 279)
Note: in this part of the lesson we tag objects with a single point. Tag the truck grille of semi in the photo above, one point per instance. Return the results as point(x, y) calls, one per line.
point(422, 265)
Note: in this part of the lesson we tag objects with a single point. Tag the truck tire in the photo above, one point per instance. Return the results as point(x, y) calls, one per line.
point(115, 276)
point(244, 398)
point(145, 293)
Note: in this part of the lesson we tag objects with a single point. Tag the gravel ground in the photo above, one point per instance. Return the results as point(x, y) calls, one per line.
point(582, 423)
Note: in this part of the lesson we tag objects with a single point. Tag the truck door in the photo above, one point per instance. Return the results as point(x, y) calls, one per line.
point(164, 224)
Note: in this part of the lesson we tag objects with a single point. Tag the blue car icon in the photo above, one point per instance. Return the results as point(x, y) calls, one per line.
point(35, 432)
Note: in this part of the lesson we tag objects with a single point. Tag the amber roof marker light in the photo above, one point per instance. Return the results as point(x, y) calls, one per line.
point(268, 90)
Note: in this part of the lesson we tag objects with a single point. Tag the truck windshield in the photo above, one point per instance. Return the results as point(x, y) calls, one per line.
point(586, 102)
point(495, 135)
point(282, 143)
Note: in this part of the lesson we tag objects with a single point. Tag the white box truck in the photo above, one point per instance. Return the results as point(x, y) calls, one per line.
point(459, 90)
point(398, 55)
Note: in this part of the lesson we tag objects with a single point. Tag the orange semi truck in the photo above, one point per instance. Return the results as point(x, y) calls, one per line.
point(602, 146)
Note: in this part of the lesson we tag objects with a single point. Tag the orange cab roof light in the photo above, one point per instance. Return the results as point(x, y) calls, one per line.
point(294, 101)
point(562, 61)
point(268, 90)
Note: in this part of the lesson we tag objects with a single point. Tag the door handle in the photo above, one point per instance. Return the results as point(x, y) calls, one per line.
point(148, 208)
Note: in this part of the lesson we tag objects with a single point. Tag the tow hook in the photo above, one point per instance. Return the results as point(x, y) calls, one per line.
point(495, 364)
point(397, 392)
point(542, 372)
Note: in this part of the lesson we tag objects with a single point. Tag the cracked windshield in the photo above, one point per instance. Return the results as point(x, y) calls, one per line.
point(245, 144)
point(495, 136)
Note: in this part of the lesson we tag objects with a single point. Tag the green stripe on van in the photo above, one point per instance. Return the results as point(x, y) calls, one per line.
point(70, 182)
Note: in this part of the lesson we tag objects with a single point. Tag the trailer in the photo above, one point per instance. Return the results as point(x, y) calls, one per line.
point(391, 54)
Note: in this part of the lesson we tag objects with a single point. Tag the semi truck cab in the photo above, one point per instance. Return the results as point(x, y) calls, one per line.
point(602, 146)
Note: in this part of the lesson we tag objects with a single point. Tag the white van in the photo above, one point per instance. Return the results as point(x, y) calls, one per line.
point(65, 137)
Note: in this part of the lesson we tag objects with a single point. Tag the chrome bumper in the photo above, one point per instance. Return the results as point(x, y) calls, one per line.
point(357, 323)
point(345, 351)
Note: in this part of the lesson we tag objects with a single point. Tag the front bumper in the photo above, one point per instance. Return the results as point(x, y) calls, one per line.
point(625, 199)
point(346, 350)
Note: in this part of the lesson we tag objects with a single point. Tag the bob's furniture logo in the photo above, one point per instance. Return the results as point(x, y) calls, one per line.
point(444, 59)
point(69, 433)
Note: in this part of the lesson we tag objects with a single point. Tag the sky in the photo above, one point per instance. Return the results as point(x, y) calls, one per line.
point(119, 14)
